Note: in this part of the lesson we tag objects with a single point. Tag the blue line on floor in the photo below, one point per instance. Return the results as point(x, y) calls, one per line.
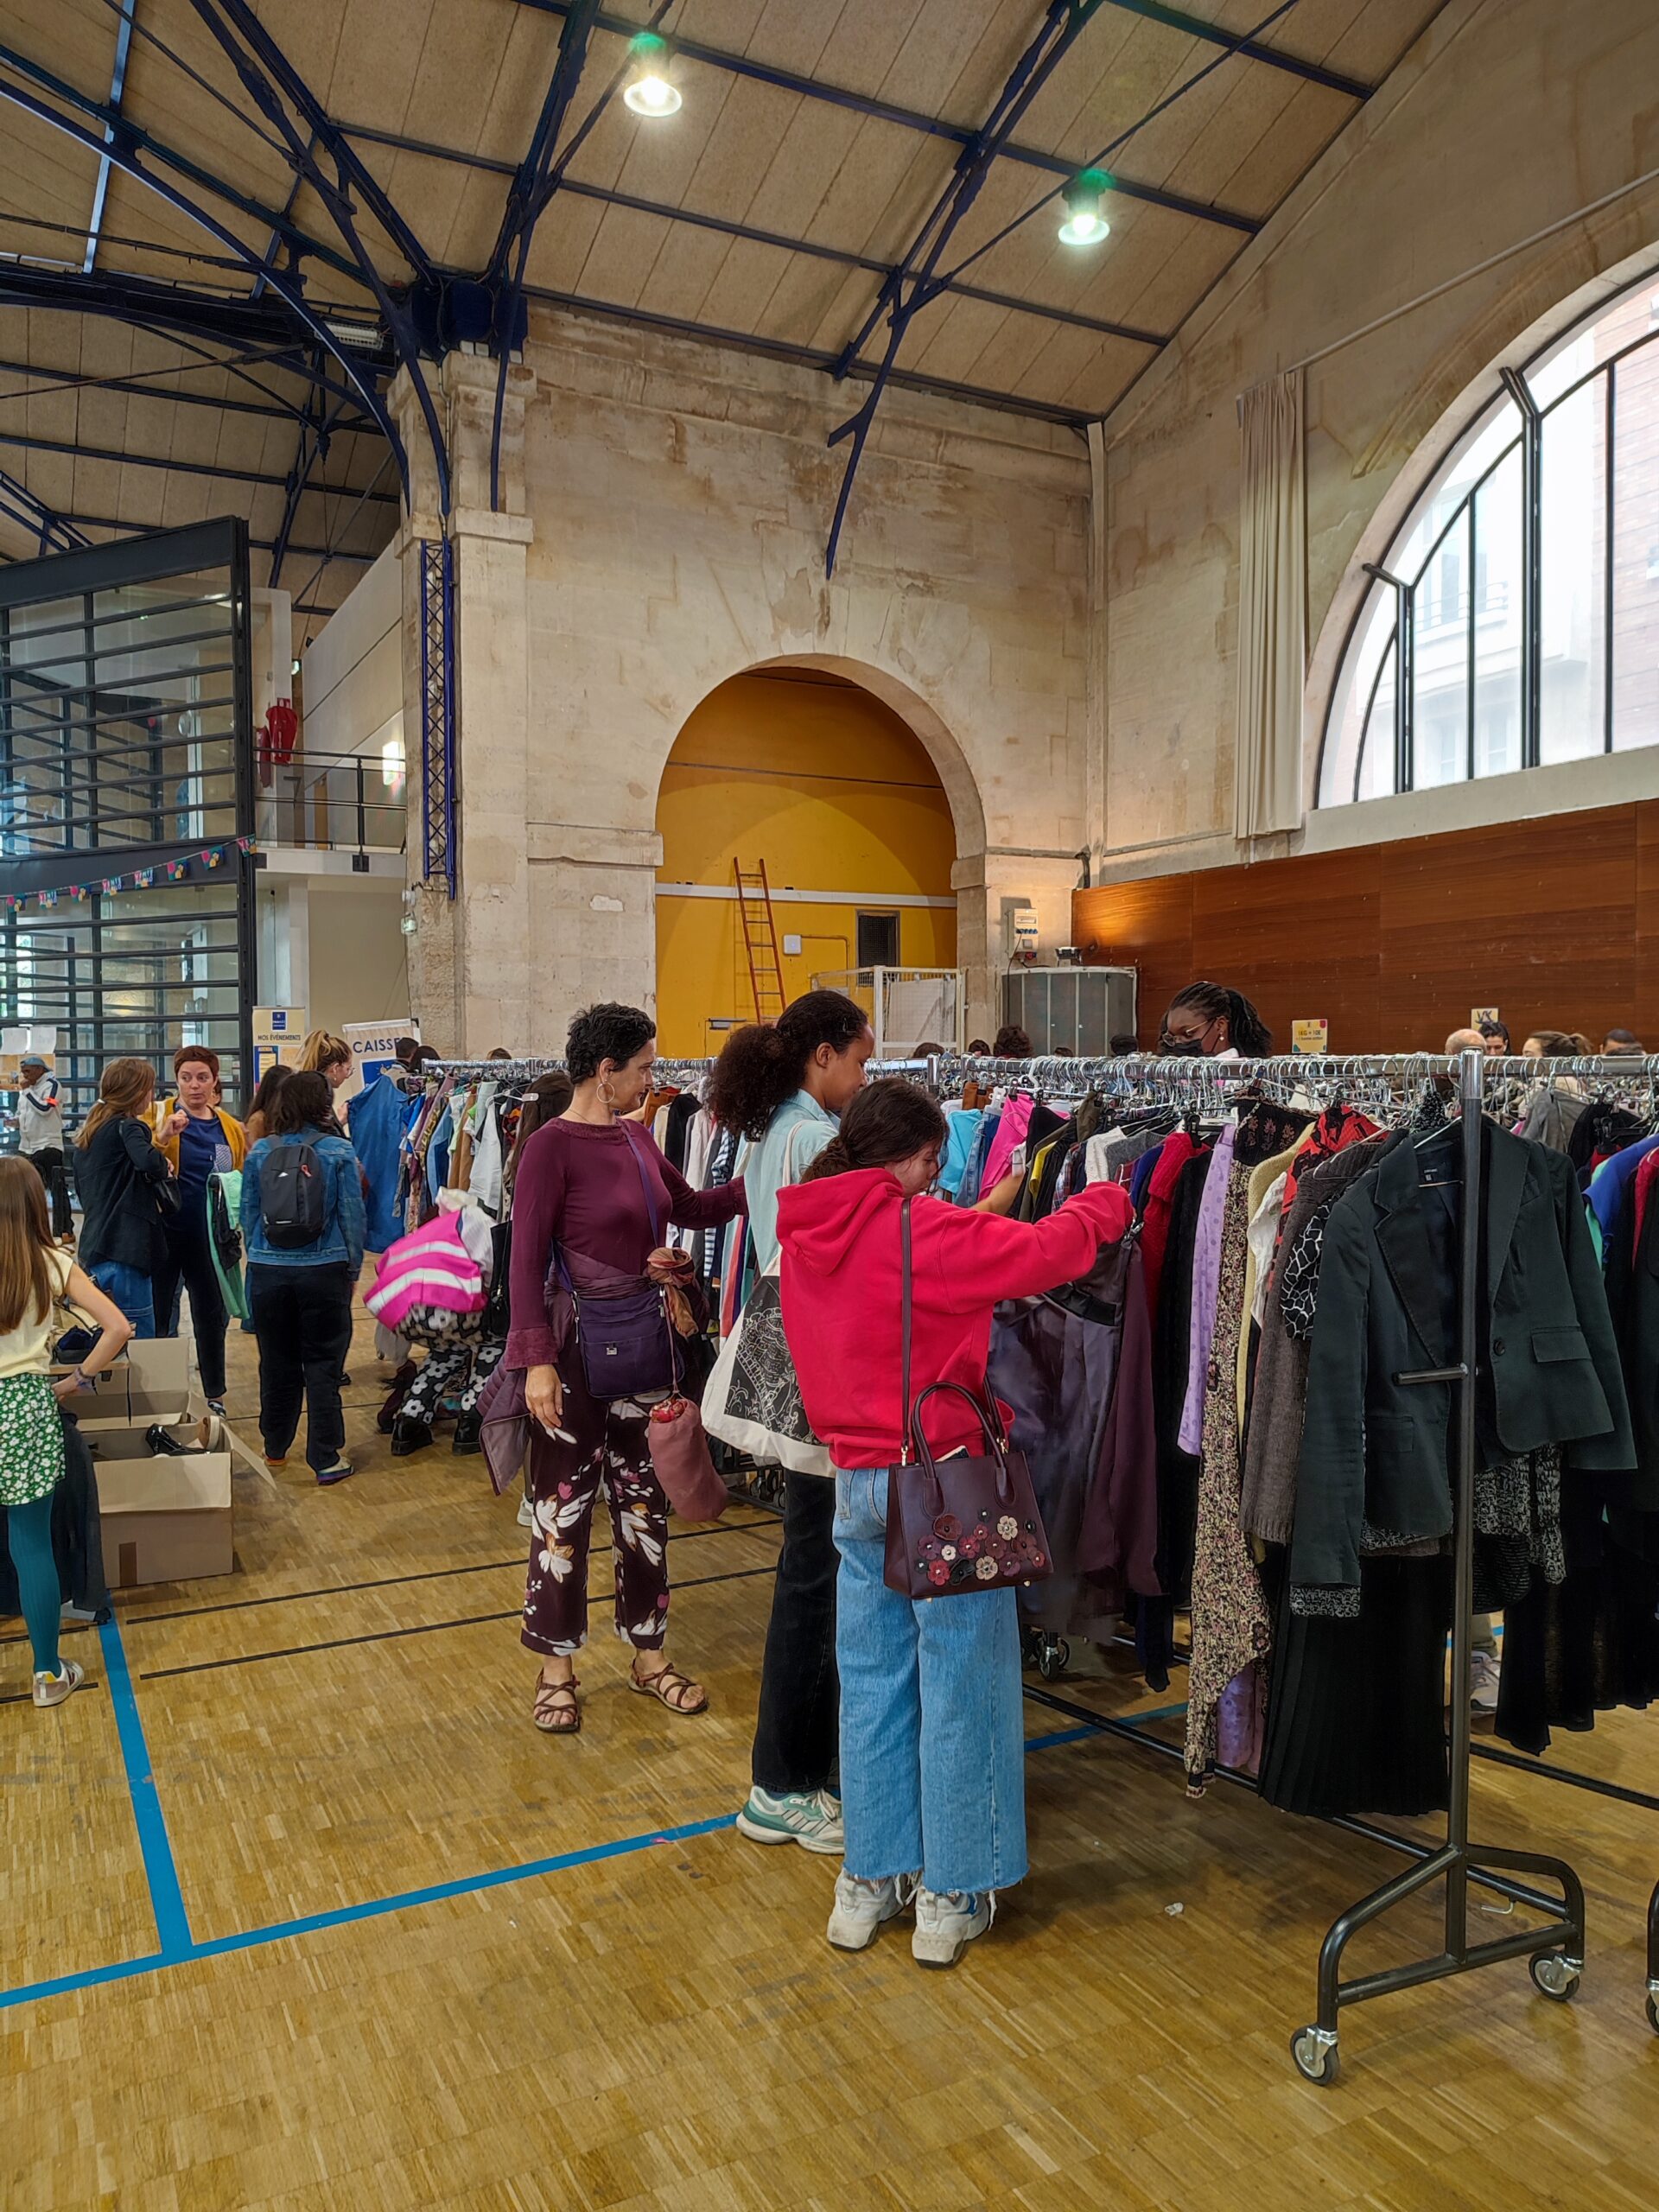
point(253, 1939)
point(171, 1924)
point(166, 1898)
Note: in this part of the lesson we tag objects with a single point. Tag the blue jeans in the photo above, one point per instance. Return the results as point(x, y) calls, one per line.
point(131, 1290)
point(932, 1749)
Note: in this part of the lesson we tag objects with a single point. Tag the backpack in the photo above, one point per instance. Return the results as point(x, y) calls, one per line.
point(293, 1195)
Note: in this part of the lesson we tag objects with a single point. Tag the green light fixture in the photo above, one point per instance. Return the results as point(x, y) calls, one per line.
point(650, 90)
point(1084, 224)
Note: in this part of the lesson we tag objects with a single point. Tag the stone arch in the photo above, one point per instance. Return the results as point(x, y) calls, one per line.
point(922, 719)
point(957, 779)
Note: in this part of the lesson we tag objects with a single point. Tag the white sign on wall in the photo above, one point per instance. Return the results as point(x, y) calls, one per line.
point(278, 1033)
point(373, 1049)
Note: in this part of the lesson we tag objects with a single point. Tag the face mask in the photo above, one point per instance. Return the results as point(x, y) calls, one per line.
point(1180, 1048)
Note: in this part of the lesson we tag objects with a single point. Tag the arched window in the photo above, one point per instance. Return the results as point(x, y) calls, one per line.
point(1515, 621)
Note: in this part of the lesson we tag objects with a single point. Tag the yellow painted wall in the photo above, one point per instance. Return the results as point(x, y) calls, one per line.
point(826, 785)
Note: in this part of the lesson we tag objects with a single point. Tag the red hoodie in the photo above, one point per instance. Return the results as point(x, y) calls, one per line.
point(843, 1295)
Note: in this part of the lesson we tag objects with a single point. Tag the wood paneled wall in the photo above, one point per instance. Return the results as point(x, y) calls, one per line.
point(1555, 922)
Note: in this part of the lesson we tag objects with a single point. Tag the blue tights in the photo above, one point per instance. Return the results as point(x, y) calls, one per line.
point(29, 1538)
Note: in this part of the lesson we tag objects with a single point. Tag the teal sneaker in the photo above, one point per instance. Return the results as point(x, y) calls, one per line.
point(811, 1818)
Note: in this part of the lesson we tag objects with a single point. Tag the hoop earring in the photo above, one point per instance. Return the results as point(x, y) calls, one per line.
point(607, 1096)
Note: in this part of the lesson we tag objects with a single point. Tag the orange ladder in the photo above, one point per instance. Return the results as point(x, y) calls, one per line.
point(759, 928)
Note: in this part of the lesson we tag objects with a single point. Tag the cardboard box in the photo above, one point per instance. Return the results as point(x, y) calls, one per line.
point(149, 1381)
point(165, 1518)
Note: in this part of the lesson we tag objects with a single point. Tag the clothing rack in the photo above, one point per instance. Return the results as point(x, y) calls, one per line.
point(1555, 1947)
point(684, 1072)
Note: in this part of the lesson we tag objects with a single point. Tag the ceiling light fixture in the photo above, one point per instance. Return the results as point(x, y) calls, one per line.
point(650, 90)
point(1084, 224)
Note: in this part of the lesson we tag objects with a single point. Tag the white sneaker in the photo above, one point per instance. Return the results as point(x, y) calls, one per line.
point(527, 1512)
point(1484, 1674)
point(861, 1907)
point(52, 1690)
point(811, 1818)
point(946, 1925)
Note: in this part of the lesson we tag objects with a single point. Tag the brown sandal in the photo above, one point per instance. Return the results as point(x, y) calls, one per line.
point(551, 1713)
point(668, 1685)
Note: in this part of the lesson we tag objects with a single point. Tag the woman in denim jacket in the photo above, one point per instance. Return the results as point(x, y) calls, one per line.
point(300, 1297)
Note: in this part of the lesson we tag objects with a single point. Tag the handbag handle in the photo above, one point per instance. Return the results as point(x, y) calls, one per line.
point(914, 1439)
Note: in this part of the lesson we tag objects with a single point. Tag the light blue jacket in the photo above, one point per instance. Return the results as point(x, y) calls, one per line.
point(795, 1136)
point(343, 1225)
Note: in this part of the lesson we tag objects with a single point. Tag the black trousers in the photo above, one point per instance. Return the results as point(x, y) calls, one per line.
point(187, 1260)
point(48, 1163)
point(303, 1318)
point(798, 1729)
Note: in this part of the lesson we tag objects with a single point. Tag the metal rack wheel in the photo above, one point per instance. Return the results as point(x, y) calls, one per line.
point(1314, 2051)
point(1554, 1974)
point(1653, 2008)
point(1053, 1658)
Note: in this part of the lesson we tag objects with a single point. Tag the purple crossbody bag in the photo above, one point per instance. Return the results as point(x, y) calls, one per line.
point(626, 1341)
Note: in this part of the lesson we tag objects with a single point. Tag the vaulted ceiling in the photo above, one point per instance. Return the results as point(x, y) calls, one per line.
point(214, 213)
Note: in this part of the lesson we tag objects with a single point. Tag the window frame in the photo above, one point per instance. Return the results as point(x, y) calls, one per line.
point(1399, 648)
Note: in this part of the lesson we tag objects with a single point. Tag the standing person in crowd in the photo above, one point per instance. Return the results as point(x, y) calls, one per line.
point(783, 1086)
point(1208, 1021)
point(1011, 1043)
point(1558, 1044)
point(1494, 1036)
point(1465, 1040)
point(120, 1175)
point(199, 1139)
point(302, 1230)
point(1620, 1042)
point(34, 1274)
point(932, 1755)
point(591, 1196)
point(40, 1137)
point(259, 1122)
point(324, 1054)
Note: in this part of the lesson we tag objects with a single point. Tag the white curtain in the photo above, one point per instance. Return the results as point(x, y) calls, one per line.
point(1272, 609)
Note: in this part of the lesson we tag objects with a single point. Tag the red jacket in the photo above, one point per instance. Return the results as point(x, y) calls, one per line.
point(843, 1296)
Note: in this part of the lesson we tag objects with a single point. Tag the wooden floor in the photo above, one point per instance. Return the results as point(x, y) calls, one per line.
point(370, 1941)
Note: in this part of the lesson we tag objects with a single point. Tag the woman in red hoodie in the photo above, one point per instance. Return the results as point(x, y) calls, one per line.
point(932, 1762)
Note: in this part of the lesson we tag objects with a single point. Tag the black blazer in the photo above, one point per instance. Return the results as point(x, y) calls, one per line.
point(1376, 1451)
point(117, 1176)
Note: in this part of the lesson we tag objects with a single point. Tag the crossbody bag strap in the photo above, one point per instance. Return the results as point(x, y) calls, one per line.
point(904, 1240)
point(645, 1183)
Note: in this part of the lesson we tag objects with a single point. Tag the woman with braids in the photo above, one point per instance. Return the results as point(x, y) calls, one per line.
point(1206, 1022)
point(591, 1196)
point(782, 1086)
point(931, 1756)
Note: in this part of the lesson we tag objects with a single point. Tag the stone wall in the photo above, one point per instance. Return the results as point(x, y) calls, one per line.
point(1505, 119)
point(670, 512)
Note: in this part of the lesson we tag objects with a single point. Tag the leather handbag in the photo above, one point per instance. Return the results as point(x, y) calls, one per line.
point(626, 1341)
point(679, 1456)
point(968, 1523)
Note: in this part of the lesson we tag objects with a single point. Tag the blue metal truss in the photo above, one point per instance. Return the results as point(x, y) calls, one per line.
point(263, 67)
point(913, 283)
point(812, 88)
point(127, 155)
point(532, 187)
point(118, 86)
point(53, 533)
point(438, 855)
point(127, 145)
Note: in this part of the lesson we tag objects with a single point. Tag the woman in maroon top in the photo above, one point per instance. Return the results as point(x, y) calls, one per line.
point(581, 1186)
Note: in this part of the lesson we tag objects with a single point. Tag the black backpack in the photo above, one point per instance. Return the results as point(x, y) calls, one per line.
point(293, 1195)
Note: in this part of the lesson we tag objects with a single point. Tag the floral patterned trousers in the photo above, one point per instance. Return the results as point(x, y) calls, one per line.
point(610, 1451)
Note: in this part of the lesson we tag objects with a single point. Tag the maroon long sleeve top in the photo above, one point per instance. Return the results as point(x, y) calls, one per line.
point(577, 1184)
